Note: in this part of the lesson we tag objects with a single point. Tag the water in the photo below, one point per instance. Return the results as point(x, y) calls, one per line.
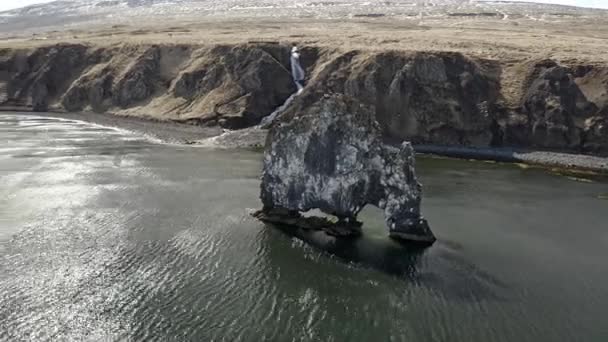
point(107, 236)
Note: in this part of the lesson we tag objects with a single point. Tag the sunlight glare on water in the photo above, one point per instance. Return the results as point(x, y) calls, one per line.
point(108, 236)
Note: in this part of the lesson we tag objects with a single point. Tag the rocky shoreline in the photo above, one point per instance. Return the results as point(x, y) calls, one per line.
point(254, 138)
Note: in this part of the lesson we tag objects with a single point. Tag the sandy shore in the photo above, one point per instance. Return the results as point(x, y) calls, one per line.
point(254, 138)
point(165, 131)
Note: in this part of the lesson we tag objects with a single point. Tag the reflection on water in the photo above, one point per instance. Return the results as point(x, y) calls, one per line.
point(107, 236)
point(405, 261)
point(391, 258)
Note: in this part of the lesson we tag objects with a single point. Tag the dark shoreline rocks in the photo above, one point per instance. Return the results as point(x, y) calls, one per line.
point(292, 219)
point(549, 159)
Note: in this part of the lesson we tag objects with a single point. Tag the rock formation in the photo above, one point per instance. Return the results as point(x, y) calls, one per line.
point(561, 108)
point(331, 157)
point(556, 108)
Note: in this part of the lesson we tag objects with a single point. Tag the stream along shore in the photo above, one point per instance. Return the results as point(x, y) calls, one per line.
point(254, 138)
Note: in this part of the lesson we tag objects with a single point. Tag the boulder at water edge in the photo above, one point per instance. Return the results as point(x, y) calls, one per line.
point(330, 156)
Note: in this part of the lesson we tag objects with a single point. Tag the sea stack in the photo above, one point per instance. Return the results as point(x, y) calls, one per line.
point(328, 154)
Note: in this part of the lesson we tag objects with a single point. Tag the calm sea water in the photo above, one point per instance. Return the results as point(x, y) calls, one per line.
point(106, 236)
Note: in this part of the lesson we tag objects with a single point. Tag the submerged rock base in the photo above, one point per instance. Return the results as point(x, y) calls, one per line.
point(341, 229)
point(295, 219)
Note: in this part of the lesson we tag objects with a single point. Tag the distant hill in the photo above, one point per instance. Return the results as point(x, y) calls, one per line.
point(72, 13)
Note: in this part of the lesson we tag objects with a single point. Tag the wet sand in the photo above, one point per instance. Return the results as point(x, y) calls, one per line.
point(166, 131)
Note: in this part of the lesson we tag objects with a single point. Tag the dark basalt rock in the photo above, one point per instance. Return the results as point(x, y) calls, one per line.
point(138, 82)
point(596, 135)
point(331, 157)
point(556, 109)
point(40, 78)
point(294, 218)
point(425, 98)
point(235, 87)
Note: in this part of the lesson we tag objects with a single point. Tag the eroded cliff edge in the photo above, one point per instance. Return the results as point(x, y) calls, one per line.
point(442, 98)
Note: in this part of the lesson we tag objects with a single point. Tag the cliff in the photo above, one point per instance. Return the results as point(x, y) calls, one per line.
point(427, 97)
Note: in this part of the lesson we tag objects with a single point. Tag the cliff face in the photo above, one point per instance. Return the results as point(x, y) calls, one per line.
point(437, 98)
point(232, 86)
point(561, 108)
point(421, 97)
